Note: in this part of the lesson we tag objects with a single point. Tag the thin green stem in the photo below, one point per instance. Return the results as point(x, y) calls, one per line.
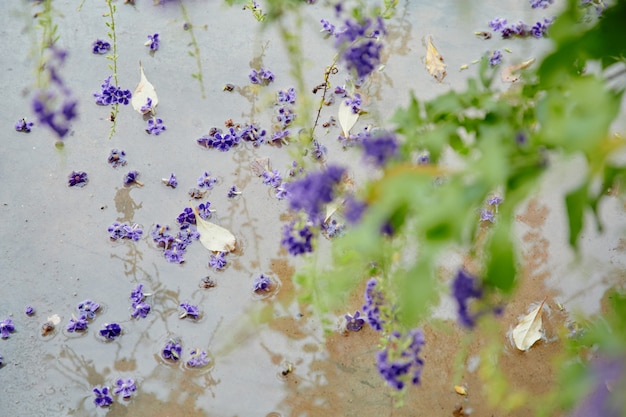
point(113, 58)
point(196, 50)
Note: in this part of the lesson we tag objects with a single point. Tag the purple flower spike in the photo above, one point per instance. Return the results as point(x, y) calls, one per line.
point(110, 331)
point(354, 323)
point(103, 398)
point(189, 310)
point(398, 368)
point(78, 179)
point(465, 287)
point(6, 328)
point(125, 387)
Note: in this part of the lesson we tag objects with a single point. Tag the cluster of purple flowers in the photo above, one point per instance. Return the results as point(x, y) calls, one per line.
point(117, 158)
point(173, 349)
point(111, 94)
point(397, 364)
point(314, 190)
point(86, 311)
point(298, 241)
point(124, 231)
point(153, 42)
point(218, 261)
point(23, 126)
point(155, 126)
point(100, 47)
point(358, 43)
point(261, 76)
point(464, 288)
point(6, 328)
point(140, 307)
point(110, 331)
point(189, 310)
point(374, 302)
point(55, 106)
point(174, 247)
point(223, 141)
point(77, 179)
point(543, 4)
point(124, 388)
point(520, 29)
point(198, 358)
point(285, 114)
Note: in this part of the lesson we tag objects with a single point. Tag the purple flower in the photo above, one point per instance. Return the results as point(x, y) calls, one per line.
point(380, 149)
point(137, 295)
point(465, 287)
point(155, 126)
point(232, 192)
point(332, 228)
point(319, 150)
point(540, 3)
point(314, 190)
point(498, 24)
point(206, 180)
point(262, 283)
point(189, 310)
point(281, 191)
point(171, 181)
point(199, 358)
point(494, 201)
point(78, 179)
point(218, 261)
point(153, 42)
point(110, 331)
point(204, 210)
point(327, 27)
point(88, 308)
point(224, 141)
point(110, 94)
point(341, 91)
point(141, 310)
point(23, 126)
point(261, 76)
point(603, 372)
point(495, 58)
point(398, 367)
point(125, 387)
point(161, 236)
point(287, 96)
point(131, 178)
point(77, 324)
point(174, 254)
point(539, 29)
point(297, 242)
point(172, 350)
point(272, 178)
point(423, 159)
point(285, 116)
point(124, 231)
point(29, 311)
point(6, 328)
point(374, 301)
point(186, 217)
point(487, 215)
point(116, 158)
point(354, 209)
point(354, 323)
point(253, 134)
point(100, 47)
point(281, 136)
point(147, 107)
point(363, 58)
point(354, 103)
point(103, 399)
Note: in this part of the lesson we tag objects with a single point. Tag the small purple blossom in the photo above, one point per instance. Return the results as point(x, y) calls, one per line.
point(155, 126)
point(487, 215)
point(147, 107)
point(204, 210)
point(354, 323)
point(494, 201)
point(110, 94)
point(189, 310)
point(261, 76)
point(117, 158)
point(233, 192)
point(281, 136)
point(199, 358)
point(380, 149)
point(281, 191)
point(206, 180)
point(174, 254)
point(125, 231)
point(543, 4)
point(103, 398)
point(131, 178)
point(540, 29)
point(141, 310)
point(354, 103)
point(327, 27)
point(224, 141)
point(77, 324)
point(332, 228)
point(172, 350)
point(262, 283)
point(171, 181)
point(495, 58)
point(285, 116)
point(78, 179)
point(186, 217)
point(137, 295)
point(153, 42)
point(465, 287)
point(6, 328)
point(254, 134)
point(23, 126)
point(363, 58)
point(319, 150)
point(100, 47)
point(218, 261)
point(125, 387)
point(29, 310)
point(498, 24)
point(286, 96)
point(88, 308)
point(110, 331)
point(272, 178)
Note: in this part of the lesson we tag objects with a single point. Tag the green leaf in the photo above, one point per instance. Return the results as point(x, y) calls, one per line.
point(575, 202)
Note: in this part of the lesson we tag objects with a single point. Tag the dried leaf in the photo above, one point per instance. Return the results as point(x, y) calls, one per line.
point(434, 61)
point(144, 90)
point(507, 75)
point(347, 118)
point(529, 329)
point(460, 390)
point(260, 165)
point(213, 237)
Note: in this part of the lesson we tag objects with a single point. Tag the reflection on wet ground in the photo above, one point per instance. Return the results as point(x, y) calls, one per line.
point(270, 356)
